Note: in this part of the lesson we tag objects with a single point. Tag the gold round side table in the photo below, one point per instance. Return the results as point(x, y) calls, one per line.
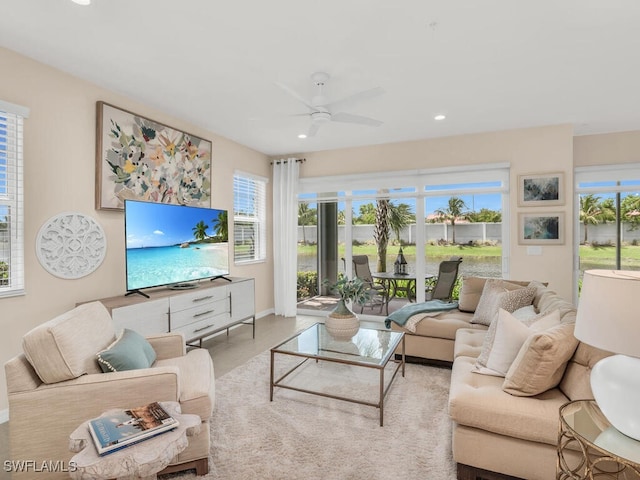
point(604, 452)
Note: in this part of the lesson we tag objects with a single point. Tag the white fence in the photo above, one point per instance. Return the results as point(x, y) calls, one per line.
point(468, 232)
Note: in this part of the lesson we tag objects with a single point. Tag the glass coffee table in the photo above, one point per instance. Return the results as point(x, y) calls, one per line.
point(369, 348)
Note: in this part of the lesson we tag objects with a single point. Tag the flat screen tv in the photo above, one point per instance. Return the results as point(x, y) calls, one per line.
point(174, 245)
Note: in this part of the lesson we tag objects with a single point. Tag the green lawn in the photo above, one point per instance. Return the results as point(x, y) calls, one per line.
point(594, 255)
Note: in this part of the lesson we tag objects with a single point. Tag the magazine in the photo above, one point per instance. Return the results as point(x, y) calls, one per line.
point(117, 429)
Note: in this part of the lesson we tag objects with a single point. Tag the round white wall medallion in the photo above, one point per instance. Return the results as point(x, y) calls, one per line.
point(71, 245)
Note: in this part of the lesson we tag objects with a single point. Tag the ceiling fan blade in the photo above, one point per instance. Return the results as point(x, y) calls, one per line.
point(359, 119)
point(294, 94)
point(357, 97)
point(313, 129)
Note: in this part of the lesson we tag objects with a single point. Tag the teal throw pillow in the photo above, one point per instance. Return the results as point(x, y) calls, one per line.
point(129, 352)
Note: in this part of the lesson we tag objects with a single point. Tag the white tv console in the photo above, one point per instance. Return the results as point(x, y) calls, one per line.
point(198, 313)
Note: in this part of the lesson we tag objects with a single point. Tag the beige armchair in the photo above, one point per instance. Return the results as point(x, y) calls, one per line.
point(56, 384)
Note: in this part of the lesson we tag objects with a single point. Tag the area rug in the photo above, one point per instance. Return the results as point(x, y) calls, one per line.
point(303, 436)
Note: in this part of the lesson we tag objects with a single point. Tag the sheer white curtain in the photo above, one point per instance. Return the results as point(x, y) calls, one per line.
point(285, 235)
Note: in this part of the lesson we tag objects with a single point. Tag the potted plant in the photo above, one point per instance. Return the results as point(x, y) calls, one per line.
point(342, 321)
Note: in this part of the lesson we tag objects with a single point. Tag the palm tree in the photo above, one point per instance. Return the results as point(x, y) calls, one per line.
point(306, 216)
point(630, 209)
point(590, 211)
point(455, 210)
point(221, 228)
point(200, 230)
point(381, 233)
point(399, 217)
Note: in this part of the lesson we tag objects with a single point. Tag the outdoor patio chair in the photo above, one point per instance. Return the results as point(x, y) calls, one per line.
point(447, 276)
point(379, 294)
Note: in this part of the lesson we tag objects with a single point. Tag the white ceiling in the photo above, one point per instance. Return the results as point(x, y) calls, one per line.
point(487, 64)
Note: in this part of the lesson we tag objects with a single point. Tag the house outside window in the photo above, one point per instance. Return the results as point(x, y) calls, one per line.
point(11, 199)
point(249, 218)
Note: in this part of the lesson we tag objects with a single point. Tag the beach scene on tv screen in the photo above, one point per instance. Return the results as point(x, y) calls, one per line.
point(172, 244)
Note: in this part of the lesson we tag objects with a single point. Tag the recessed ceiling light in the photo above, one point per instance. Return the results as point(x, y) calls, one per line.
point(82, 2)
point(439, 117)
point(302, 135)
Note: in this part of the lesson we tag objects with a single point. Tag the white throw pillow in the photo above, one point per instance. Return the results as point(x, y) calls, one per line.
point(505, 338)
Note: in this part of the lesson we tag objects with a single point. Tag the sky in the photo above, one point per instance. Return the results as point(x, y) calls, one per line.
point(160, 224)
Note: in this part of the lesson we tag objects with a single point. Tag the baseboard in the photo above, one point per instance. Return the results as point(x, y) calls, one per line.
point(264, 313)
point(4, 415)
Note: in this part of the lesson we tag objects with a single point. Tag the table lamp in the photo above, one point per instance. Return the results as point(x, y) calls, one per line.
point(609, 318)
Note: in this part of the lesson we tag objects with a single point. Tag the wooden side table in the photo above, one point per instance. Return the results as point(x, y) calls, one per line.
point(141, 460)
point(605, 452)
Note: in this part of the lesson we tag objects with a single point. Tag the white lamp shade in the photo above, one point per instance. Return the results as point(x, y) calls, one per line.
point(608, 316)
point(608, 319)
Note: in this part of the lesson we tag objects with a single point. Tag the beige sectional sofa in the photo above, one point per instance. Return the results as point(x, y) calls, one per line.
point(57, 384)
point(505, 426)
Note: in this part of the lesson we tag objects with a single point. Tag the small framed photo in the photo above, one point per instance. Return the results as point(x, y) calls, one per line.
point(544, 189)
point(541, 228)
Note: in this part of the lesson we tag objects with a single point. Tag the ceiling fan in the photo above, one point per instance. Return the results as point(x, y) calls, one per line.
point(322, 110)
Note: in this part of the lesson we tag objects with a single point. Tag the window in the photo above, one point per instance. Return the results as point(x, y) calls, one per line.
point(608, 217)
point(249, 218)
point(11, 203)
point(339, 217)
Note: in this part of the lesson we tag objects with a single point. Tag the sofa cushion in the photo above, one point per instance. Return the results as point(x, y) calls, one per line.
point(197, 382)
point(129, 352)
point(65, 347)
point(498, 294)
point(471, 291)
point(505, 338)
point(541, 362)
point(575, 382)
point(478, 401)
point(443, 325)
point(469, 342)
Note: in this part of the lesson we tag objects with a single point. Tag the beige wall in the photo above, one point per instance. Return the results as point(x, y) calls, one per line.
point(59, 177)
point(533, 150)
point(606, 149)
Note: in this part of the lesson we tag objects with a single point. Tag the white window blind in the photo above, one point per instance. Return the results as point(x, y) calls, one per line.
point(11, 199)
point(249, 218)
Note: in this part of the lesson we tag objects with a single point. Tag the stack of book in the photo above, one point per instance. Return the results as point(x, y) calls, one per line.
point(117, 429)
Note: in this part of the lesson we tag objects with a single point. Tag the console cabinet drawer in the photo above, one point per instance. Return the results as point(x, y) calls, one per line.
point(202, 311)
point(197, 298)
point(204, 326)
point(148, 318)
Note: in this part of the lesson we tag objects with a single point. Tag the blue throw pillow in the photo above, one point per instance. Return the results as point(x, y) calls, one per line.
point(129, 352)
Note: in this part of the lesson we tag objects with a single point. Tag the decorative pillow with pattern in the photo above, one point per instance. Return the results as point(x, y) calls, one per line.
point(499, 294)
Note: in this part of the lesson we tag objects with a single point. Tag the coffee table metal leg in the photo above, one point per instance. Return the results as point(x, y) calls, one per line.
point(381, 405)
point(271, 379)
point(403, 362)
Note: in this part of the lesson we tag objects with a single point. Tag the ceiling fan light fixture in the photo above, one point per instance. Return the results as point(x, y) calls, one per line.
point(439, 117)
point(320, 117)
point(302, 135)
point(82, 2)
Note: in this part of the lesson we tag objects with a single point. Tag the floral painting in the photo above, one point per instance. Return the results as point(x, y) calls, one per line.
point(139, 159)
